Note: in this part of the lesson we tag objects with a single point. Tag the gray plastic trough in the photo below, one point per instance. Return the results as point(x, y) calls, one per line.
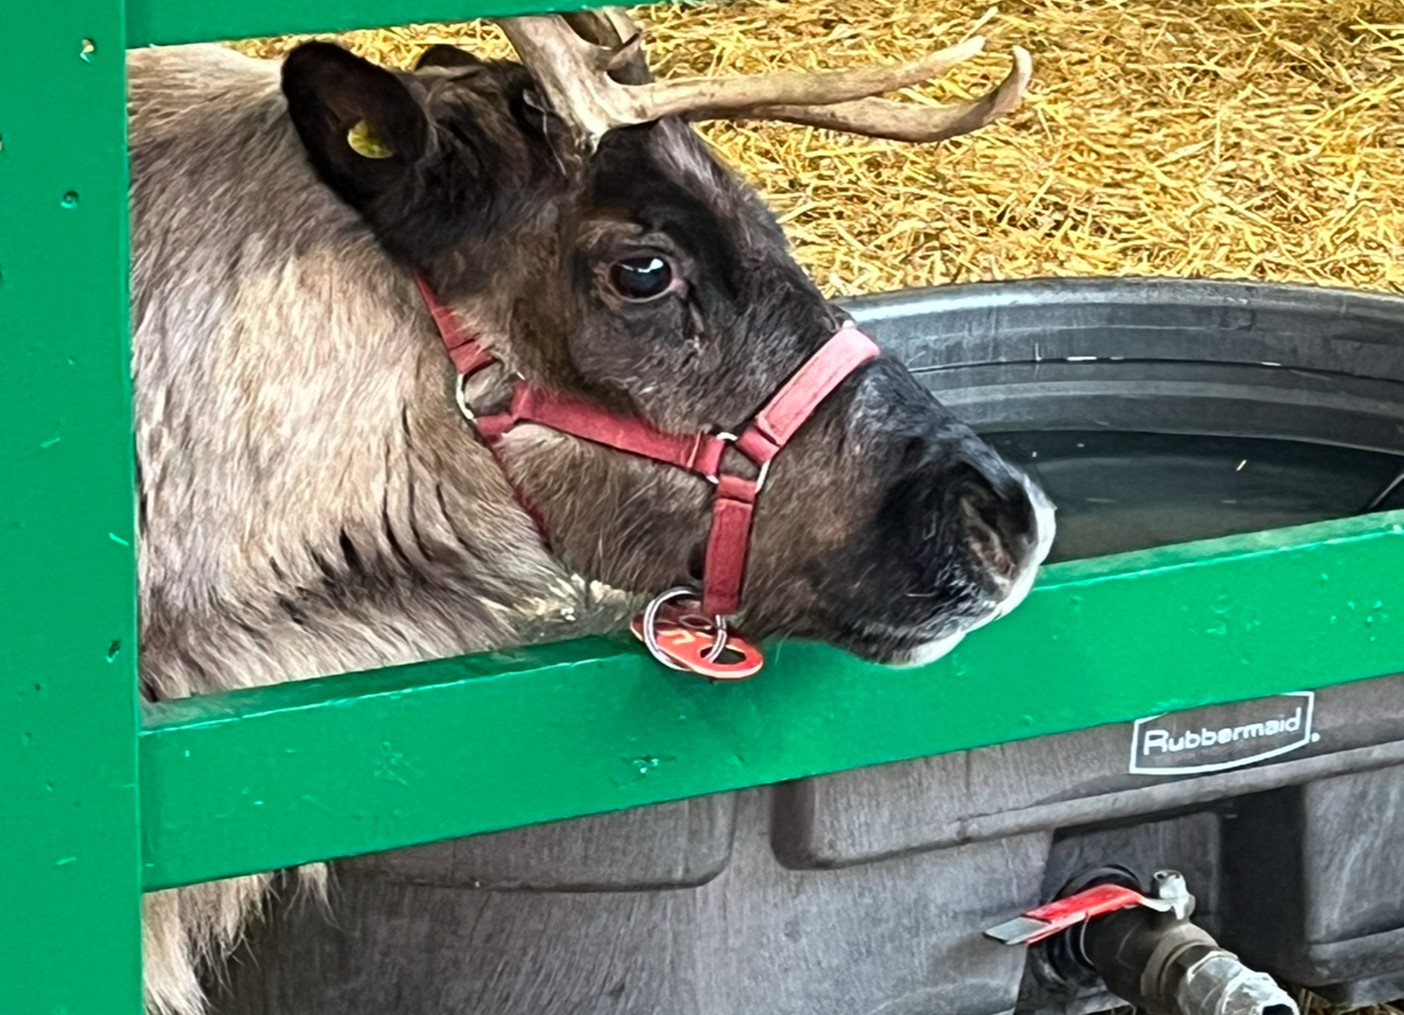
point(1154, 411)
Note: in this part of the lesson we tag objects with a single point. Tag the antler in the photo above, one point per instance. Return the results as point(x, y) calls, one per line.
point(902, 121)
point(591, 70)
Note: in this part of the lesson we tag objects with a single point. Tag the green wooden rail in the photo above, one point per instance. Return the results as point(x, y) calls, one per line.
point(363, 762)
point(360, 762)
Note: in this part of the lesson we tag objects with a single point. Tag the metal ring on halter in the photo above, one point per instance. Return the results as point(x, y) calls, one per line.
point(727, 437)
point(460, 396)
point(650, 633)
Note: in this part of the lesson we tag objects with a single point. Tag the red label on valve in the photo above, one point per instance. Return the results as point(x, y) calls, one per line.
point(1038, 924)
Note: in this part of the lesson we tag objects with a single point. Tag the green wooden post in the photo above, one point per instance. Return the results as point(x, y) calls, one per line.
point(68, 693)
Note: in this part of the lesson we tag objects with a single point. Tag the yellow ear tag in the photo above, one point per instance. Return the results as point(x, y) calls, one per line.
point(364, 142)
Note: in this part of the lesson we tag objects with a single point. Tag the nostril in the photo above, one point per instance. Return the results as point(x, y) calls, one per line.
point(998, 542)
point(989, 548)
point(1003, 520)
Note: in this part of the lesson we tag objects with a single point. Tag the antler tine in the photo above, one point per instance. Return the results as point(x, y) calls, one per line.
point(581, 63)
point(612, 28)
point(901, 121)
point(720, 98)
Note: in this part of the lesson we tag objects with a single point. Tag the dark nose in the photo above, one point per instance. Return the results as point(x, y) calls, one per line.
point(1005, 519)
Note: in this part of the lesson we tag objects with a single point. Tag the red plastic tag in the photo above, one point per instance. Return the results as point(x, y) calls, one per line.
point(686, 637)
point(1045, 921)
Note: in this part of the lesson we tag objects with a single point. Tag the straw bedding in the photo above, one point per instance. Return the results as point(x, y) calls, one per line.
point(1255, 139)
point(1258, 139)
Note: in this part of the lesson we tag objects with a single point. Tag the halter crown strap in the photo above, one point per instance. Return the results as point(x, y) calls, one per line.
point(734, 505)
point(463, 348)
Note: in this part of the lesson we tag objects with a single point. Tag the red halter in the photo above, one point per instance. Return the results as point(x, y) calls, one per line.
point(702, 453)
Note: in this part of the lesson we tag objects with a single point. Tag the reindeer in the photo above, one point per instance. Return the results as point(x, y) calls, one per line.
point(312, 498)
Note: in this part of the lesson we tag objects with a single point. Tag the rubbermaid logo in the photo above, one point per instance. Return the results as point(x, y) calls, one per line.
point(1220, 737)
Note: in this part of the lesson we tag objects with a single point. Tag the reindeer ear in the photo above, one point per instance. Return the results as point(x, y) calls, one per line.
point(439, 55)
point(362, 126)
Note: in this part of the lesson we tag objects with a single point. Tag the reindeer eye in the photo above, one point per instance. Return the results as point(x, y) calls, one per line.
point(641, 278)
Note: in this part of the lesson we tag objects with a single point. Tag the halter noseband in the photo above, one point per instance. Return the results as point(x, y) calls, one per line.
point(702, 453)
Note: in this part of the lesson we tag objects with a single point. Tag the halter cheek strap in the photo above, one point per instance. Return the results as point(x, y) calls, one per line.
point(703, 454)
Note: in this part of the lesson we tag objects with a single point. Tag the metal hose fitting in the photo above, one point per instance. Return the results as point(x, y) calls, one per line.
point(1165, 965)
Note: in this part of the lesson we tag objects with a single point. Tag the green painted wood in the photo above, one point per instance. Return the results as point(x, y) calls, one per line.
point(162, 22)
point(266, 778)
point(68, 687)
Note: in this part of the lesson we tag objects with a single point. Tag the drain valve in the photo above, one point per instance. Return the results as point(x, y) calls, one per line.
point(1147, 951)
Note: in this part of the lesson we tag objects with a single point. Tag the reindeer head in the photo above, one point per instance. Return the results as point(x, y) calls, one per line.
point(570, 216)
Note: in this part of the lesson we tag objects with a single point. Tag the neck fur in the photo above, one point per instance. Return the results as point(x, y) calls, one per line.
point(311, 501)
